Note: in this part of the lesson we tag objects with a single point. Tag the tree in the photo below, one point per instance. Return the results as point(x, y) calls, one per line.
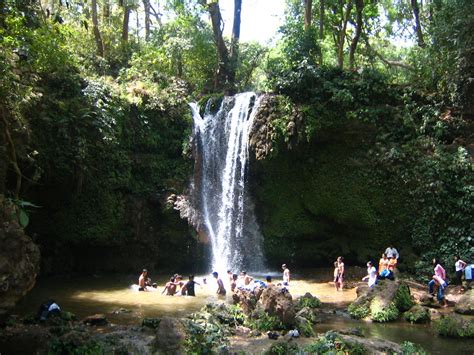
point(418, 30)
point(95, 25)
point(146, 9)
point(308, 13)
point(345, 12)
point(126, 19)
point(359, 24)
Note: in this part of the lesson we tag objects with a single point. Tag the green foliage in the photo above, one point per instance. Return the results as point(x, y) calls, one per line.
point(403, 300)
point(263, 321)
point(151, 322)
point(381, 313)
point(454, 326)
point(331, 343)
point(417, 314)
point(409, 348)
point(359, 311)
point(70, 346)
point(311, 302)
point(283, 348)
point(305, 327)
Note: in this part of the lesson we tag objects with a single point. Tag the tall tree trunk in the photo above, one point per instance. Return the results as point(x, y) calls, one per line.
point(321, 19)
point(95, 25)
point(234, 45)
point(341, 39)
point(105, 10)
point(418, 30)
point(222, 52)
point(359, 23)
point(146, 6)
point(308, 14)
point(126, 19)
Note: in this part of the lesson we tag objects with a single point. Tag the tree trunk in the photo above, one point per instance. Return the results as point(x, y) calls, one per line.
point(146, 6)
point(234, 45)
point(222, 53)
point(341, 39)
point(359, 23)
point(126, 19)
point(308, 13)
point(416, 14)
point(105, 10)
point(321, 19)
point(95, 24)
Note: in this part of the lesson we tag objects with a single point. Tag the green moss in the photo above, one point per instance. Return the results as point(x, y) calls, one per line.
point(359, 311)
point(409, 348)
point(417, 314)
point(332, 343)
point(263, 322)
point(454, 326)
point(403, 299)
point(379, 312)
point(283, 348)
point(308, 301)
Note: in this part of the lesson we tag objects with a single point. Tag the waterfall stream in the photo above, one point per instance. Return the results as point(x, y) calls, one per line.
point(221, 143)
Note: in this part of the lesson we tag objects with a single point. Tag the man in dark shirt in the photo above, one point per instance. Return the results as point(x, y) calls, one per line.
point(188, 288)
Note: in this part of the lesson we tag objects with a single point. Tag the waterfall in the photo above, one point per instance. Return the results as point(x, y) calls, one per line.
point(227, 213)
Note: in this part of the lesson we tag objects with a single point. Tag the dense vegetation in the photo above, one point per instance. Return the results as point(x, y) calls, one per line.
point(95, 127)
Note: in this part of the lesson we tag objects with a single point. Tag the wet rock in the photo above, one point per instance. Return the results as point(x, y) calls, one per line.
point(24, 339)
point(95, 320)
point(466, 303)
point(19, 259)
point(373, 345)
point(278, 302)
point(170, 336)
point(308, 314)
point(246, 299)
point(455, 326)
point(304, 326)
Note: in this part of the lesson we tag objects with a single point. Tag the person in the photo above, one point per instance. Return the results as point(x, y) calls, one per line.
point(230, 276)
point(188, 288)
point(392, 252)
point(438, 279)
point(340, 263)
point(286, 275)
point(392, 263)
point(247, 278)
point(170, 287)
point(459, 266)
point(233, 283)
point(336, 276)
point(371, 275)
point(269, 281)
point(179, 282)
point(220, 285)
point(143, 280)
point(383, 265)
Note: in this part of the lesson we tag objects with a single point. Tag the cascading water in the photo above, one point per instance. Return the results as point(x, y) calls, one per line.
point(221, 143)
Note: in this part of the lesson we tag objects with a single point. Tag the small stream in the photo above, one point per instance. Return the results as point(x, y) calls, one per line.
point(89, 295)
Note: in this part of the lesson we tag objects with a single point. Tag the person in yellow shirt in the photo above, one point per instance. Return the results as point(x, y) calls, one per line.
point(392, 264)
point(383, 263)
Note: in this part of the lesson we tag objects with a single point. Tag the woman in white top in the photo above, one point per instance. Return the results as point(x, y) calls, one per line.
point(371, 275)
point(459, 266)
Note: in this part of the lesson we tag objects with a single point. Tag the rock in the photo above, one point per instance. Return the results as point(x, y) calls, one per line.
point(241, 330)
point(455, 326)
point(170, 336)
point(308, 300)
point(19, 259)
point(246, 299)
point(95, 320)
point(417, 314)
point(151, 322)
point(278, 302)
point(382, 303)
point(373, 345)
point(308, 314)
point(304, 326)
point(466, 303)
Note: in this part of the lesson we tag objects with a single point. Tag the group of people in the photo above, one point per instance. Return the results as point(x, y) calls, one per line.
point(176, 285)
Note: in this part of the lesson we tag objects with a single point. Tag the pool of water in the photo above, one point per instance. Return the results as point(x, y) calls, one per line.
point(89, 295)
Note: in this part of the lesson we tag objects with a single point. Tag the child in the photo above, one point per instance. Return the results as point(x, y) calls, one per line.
point(336, 276)
point(371, 275)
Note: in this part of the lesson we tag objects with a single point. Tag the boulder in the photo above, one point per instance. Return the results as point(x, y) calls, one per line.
point(246, 299)
point(466, 303)
point(417, 314)
point(455, 326)
point(382, 303)
point(19, 259)
point(170, 336)
point(278, 302)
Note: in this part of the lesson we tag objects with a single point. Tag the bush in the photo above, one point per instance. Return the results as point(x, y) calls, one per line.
point(262, 321)
point(283, 348)
point(331, 343)
point(383, 314)
point(308, 301)
point(359, 311)
point(417, 314)
point(409, 348)
point(454, 326)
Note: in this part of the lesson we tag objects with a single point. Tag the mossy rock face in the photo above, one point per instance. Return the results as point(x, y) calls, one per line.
point(382, 303)
point(417, 314)
point(454, 326)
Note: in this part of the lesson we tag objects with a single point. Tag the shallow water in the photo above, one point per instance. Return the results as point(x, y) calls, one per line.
point(85, 296)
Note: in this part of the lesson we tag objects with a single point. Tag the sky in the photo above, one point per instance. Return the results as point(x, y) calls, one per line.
point(260, 18)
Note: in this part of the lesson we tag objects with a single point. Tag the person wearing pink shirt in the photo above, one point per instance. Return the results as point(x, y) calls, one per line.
point(439, 279)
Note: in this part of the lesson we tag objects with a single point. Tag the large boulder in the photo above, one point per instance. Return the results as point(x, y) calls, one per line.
point(417, 314)
point(278, 302)
point(466, 303)
point(382, 303)
point(19, 259)
point(170, 336)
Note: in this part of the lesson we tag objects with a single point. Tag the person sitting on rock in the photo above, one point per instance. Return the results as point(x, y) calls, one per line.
point(220, 285)
point(371, 275)
point(392, 252)
point(286, 275)
point(170, 287)
point(392, 264)
point(247, 278)
point(438, 279)
point(269, 281)
point(383, 265)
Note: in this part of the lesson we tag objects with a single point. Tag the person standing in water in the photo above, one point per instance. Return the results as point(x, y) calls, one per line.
point(220, 285)
point(170, 287)
point(336, 276)
point(142, 280)
point(286, 275)
point(340, 264)
point(233, 283)
point(188, 288)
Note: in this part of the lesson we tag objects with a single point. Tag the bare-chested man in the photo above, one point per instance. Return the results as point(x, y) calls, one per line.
point(170, 287)
point(220, 285)
point(247, 278)
point(142, 280)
